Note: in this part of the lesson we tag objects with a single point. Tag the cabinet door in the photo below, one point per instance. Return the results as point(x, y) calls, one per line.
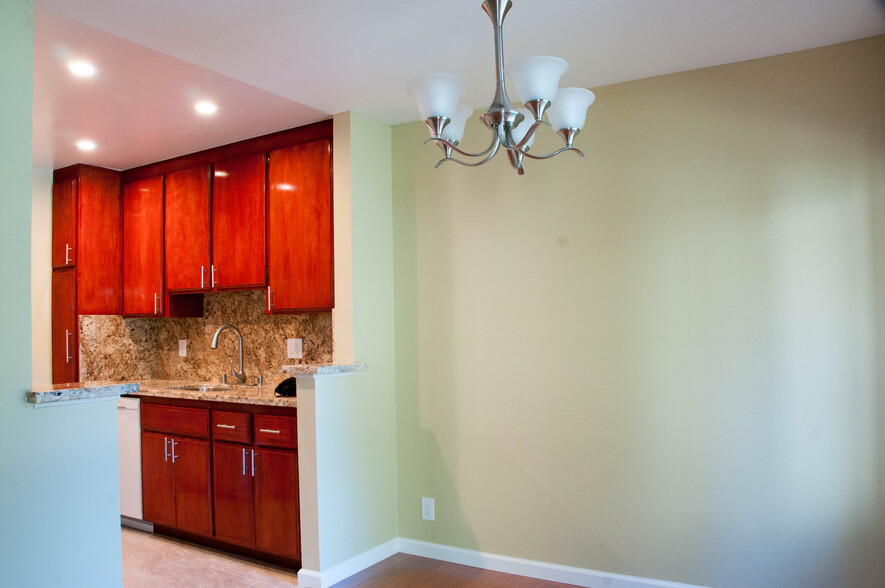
point(187, 230)
point(232, 493)
point(143, 247)
point(277, 524)
point(157, 482)
point(98, 241)
point(238, 222)
point(65, 340)
point(299, 230)
point(64, 223)
point(192, 497)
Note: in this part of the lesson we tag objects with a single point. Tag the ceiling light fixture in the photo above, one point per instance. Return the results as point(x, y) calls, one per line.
point(82, 69)
point(86, 145)
point(536, 80)
point(206, 107)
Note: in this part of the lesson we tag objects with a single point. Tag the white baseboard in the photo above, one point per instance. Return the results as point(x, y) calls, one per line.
point(356, 564)
point(477, 559)
point(530, 568)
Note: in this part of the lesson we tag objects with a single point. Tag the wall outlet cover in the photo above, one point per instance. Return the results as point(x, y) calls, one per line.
point(427, 509)
point(294, 350)
point(182, 348)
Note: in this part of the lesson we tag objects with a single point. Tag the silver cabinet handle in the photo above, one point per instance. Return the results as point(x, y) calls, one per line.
point(244, 461)
point(173, 451)
point(212, 275)
point(269, 298)
point(165, 449)
point(202, 277)
point(220, 426)
point(68, 249)
point(271, 431)
point(253, 463)
point(156, 303)
point(68, 356)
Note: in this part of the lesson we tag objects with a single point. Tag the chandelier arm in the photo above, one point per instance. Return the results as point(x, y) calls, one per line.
point(495, 144)
point(528, 136)
point(454, 147)
point(575, 149)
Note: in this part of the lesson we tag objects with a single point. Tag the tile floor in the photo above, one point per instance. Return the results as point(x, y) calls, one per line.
point(153, 561)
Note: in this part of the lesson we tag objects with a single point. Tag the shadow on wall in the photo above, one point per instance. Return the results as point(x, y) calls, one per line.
point(114, 348)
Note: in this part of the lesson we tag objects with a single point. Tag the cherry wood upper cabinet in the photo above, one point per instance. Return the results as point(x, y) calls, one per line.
point(86, 216)
point(65, 340)
point(64, 223)
point(187, 230)
point(143, 247)
point(238, 223)
point(299, 228)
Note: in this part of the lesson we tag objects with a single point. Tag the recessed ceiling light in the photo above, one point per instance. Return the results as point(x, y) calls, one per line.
point(86, 145)
point(82, 69)
point(206, 107)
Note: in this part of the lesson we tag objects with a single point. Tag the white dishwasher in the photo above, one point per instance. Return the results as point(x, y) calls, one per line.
point(129, 431)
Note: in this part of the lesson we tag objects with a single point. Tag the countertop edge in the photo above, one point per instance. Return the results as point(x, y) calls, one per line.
point(79, 391)
point(321, 370)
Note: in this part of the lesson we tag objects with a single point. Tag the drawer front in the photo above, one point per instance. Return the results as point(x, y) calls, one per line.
point(275, 431)
point(231, 426)
point(177, 420)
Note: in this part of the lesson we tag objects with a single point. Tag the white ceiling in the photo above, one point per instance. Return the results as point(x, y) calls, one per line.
point(275, 64)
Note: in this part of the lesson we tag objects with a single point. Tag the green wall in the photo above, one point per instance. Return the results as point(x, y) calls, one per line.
point(666, 359)
point(59, 487)
point(356, 414)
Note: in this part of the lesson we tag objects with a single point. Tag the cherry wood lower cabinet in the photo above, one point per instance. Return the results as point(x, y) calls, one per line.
point(252, 472)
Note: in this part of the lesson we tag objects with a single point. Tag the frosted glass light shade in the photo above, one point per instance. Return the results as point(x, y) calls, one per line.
point(436, 94)
point(522, 128)
point(454, 131)
point(569, 109)
point(537, 77)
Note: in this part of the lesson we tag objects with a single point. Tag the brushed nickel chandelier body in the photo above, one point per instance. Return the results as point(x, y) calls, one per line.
point(536, 80)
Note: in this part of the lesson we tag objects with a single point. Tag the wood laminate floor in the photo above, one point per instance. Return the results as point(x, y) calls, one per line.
point(155, 561)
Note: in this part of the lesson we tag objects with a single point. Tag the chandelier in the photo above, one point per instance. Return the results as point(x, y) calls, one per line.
point(536, 80)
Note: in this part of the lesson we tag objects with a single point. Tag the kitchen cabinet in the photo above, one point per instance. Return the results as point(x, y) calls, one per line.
point(238, 223)
point(299, 228)
point(176, 468)
point(86, 234)
point(65, 338)
point(255, 489)
point(187, 238)
point(64, 223)
point(143, 293)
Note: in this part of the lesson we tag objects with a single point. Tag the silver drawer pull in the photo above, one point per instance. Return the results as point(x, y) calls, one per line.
point(226, 426)
point(272, 431)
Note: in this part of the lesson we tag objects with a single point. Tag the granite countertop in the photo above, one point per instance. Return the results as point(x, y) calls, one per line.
point(234, 393)
point(323, 369)
point(79, 391)
point(237, 394)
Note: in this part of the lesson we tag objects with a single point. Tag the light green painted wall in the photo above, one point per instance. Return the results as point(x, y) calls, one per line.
point(59, 494)
point(356, 415)
point(666, 359)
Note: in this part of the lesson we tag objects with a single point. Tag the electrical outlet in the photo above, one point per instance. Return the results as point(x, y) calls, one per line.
point(427, 509)
point(294, 349)
point(182, 348)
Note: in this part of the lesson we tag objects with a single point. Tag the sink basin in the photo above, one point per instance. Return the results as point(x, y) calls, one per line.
point(202, 388)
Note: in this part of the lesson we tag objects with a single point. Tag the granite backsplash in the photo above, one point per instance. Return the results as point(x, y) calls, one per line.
point(114, 348)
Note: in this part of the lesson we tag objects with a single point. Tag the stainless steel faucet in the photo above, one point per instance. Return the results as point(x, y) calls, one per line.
point(239, 376)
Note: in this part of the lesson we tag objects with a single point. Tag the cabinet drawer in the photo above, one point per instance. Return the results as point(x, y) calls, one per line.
point(275, 431)
point(231, 426)
point(175, 419)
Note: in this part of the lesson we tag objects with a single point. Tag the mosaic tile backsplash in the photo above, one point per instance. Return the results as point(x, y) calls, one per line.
point(114, 348)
